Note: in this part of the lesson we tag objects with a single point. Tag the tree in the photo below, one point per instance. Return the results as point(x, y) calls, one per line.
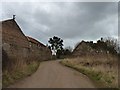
point(112, 44)
point(68, 50)
point(56, 44)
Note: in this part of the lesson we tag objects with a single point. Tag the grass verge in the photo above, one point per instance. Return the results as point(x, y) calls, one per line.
point(102, 80)
point(10, 78)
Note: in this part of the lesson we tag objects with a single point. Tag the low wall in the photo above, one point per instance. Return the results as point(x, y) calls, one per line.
point(15, 57)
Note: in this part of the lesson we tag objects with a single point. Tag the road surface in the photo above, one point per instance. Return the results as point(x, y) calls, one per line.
point(51, 74)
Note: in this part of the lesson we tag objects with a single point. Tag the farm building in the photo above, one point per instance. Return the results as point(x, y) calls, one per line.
point(17, 49)
point(89, 48)
point(40, 50)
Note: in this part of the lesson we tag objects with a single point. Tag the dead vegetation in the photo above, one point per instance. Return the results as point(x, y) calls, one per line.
point(102, 69)
point(9, 78)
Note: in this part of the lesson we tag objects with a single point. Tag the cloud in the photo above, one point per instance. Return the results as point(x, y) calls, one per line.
point(72, 21)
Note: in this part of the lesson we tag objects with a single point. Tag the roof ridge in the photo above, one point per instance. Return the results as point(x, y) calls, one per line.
point(7, 20)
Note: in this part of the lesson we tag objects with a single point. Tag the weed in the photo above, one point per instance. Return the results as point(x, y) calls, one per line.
point(107, 76)
point(10, 78)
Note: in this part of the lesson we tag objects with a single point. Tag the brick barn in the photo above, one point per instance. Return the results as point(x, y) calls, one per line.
point(17, 49)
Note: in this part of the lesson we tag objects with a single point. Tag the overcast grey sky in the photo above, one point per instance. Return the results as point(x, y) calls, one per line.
point(72, 21)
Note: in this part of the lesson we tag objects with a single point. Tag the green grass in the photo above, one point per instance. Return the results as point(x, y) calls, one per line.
point(10, 78)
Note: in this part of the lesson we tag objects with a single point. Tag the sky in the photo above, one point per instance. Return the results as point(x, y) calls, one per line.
point(71, 21)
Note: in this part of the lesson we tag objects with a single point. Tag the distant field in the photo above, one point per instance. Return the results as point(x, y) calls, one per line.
point(103, 70)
